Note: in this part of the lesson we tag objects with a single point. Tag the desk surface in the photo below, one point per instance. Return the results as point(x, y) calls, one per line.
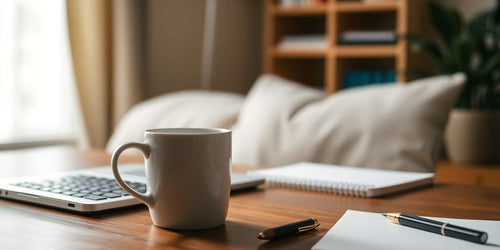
point(250, 212)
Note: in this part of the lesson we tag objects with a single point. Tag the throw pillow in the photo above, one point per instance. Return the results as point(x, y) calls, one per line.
point(193, 108)
point(394, 126)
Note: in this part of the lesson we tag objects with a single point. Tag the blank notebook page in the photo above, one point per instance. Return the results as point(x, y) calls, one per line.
point(358, 230)
point(343, 180)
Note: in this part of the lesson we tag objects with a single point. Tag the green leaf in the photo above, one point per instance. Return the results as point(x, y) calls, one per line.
point(419, 44)
point(492, 64)
point(480, 22)
point(446, 22)
point(442, 63)
point(467, 50)
point(481, 46)
point(456, 22)
point(473, 48)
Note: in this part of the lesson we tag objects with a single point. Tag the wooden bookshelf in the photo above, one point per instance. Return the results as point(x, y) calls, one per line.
point(331, 18)
point(383, 5)
point(299, 53)
point(356, 51)
point(297, 11)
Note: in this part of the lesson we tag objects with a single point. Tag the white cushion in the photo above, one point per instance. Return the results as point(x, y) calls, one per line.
point(180, 109)
point(395, 126)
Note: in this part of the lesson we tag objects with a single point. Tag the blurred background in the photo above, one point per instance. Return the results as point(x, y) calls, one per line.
point(69, 70)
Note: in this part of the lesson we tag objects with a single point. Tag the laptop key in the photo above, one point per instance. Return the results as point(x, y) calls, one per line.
point(24, 184)
point(120, 192)
point(94, 197)
point(111, 195)
point(34, 186)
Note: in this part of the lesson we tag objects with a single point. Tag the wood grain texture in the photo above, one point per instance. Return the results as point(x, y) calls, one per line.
point(366, 51)
point(366, 6)
point(25, 226)
point(470, 174)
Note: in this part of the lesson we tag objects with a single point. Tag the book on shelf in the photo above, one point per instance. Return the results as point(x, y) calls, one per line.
point(343, 180)
point(303, 41)
point(368, 37)
point(358, 78)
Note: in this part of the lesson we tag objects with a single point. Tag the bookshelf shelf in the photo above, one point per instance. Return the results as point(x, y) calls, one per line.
point(366, 51)
point(297, 11)
point(385, 5)
point(334, 18)
point(300, 53)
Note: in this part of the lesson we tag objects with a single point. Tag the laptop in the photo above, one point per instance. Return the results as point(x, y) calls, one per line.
point(93, 189)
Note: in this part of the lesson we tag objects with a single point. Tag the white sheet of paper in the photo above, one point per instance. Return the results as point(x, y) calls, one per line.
point(365, 230)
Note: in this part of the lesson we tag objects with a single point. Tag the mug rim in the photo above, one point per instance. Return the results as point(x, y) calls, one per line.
point(187, 131)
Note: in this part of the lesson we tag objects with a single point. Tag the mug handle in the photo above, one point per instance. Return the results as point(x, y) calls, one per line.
point(146, 198)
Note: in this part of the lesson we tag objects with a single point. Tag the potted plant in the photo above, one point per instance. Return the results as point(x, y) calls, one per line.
point(473, 131)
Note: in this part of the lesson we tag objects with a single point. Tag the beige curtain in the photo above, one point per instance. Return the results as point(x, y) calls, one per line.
point(107, 45)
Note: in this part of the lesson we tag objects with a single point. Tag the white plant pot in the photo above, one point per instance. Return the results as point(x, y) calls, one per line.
point(473, 136)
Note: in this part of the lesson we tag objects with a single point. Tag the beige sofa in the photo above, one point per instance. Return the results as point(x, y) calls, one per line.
point(395, 126)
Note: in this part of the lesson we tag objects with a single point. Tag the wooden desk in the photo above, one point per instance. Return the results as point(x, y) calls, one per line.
point(25, 226)
point(479, 175)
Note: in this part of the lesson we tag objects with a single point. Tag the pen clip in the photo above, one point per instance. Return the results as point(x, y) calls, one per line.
point(309, 227)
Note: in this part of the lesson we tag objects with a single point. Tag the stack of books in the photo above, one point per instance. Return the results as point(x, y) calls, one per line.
point(368, 37)
point(303, 41)
point(358, 78)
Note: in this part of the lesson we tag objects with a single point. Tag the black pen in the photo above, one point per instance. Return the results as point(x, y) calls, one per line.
point(438, 227)
point(296, 227)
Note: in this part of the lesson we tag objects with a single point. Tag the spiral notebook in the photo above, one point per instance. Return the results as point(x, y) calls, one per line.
point(351, 181)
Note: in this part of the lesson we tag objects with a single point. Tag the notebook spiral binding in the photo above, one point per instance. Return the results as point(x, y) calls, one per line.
point(323, 186)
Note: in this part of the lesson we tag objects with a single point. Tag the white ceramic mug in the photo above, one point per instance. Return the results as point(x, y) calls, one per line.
point(187, 176)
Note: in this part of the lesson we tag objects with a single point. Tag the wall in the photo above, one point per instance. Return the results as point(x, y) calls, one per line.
point(175, 36)
point(469, 8)
point(174, 45)
point(238, 45)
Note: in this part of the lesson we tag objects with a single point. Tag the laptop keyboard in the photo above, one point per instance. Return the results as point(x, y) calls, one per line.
point(84, 186)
